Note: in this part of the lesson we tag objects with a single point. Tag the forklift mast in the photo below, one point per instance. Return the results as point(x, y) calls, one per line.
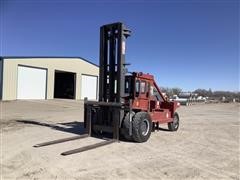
point(112, 62)
point(106, 114)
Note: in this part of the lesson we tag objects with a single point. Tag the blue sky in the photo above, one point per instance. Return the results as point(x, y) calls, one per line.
point(187, 44)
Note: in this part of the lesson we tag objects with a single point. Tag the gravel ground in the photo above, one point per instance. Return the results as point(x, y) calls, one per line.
point(206, 146)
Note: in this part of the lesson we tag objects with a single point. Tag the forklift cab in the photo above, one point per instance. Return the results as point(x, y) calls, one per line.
point(142, 90)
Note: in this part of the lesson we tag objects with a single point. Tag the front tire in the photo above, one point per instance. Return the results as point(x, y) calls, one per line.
point(142, 127)
point(173, 126)
point(126, 126)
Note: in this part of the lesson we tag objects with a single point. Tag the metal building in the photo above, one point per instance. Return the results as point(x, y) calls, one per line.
point(47, 78)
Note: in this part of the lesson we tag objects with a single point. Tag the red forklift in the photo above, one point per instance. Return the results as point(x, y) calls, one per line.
point(130, 104)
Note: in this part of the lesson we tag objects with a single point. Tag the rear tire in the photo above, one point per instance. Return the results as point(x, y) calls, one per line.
point(142, 127)
point(173, 126)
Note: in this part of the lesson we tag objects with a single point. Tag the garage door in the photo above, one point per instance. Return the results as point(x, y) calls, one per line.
point(89, 87)
point(31, 83)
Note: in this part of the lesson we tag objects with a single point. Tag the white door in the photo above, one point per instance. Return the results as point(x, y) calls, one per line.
point(31, 83)
point(89, 87)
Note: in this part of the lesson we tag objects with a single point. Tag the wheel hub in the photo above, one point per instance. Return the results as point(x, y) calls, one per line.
point(175, 122)
point(144, 127)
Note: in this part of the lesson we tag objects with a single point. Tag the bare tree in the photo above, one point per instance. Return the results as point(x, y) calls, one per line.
point(171, 91)
point(176, 90)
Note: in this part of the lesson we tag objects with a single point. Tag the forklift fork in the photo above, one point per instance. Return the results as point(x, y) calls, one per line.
point(89, 107)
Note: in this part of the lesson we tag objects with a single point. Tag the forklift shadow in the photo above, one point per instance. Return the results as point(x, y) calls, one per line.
point(162, 129)
point(74, 127)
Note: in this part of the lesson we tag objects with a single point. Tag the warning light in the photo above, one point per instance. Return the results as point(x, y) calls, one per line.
point(137, 103)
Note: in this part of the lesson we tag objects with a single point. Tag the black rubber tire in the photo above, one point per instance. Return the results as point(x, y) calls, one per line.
point(138, 120)
point(125, 127)
point(173, 126)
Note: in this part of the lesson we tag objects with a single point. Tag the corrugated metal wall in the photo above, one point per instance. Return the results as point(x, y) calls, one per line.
point(75, 65)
